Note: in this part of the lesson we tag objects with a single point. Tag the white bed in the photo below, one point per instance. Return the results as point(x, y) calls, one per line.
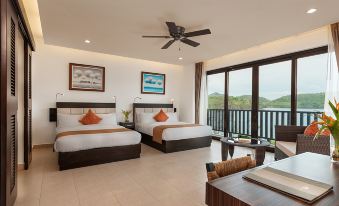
point(145, 124)
point(90, 141)
point(175, 133)
point(81, 145)
point(71, 143)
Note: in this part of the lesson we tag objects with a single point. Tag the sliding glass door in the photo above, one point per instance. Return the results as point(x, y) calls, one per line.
point(312, 72)
point(257, 96)
point(274, 98)
point(216, 102)
point(240, 102)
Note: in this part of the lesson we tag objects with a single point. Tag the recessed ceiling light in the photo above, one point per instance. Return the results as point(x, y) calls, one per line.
point(180, 58)
point(87, 41)
point(311, 11)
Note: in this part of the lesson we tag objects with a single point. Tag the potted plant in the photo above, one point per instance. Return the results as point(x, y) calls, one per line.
point(126, 114)
point(332, 124)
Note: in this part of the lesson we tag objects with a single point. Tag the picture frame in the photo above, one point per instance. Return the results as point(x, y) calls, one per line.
point(86, 77)
point(153, 83)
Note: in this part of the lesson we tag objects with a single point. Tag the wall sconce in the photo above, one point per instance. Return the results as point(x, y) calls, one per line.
point(136, 98)
point(57, 95)
point(115, 99)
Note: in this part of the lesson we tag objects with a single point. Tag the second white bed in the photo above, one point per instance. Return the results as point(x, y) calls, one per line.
point(175, 133)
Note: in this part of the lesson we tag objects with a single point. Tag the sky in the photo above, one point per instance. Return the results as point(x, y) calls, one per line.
point(275, 79)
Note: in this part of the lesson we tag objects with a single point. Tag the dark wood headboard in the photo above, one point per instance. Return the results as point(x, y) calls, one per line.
point(151, 106)
point(78, 105)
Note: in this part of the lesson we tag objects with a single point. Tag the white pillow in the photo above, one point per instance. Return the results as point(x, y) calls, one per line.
point(146, 118)
point(172, 117)
point(68, 120)
point(108, 119)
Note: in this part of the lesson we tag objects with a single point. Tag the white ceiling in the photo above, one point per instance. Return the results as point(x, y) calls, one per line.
point(116, 26)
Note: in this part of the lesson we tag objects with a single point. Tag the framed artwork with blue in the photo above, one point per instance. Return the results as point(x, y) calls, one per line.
point(152, 83)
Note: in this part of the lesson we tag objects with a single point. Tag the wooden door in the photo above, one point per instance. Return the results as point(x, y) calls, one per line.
point(9, 104)
point(28, 106)
point(12, 102)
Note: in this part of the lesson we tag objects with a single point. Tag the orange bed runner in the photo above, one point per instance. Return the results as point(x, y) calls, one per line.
point(98, 131)
point(158, 130)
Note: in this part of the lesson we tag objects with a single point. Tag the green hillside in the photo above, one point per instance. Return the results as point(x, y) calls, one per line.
point(305, 101)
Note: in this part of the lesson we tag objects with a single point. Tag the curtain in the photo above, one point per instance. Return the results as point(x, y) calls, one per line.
point(335, 40)
point(203, 99)
point(198, 79)
point(332, 90)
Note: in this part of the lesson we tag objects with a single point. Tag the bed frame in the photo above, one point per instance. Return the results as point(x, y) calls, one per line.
point(173, 145)
point(82, 158)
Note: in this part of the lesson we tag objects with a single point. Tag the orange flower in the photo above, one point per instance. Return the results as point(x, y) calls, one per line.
point(321, 123)
point(331, 122)
point(326, 120)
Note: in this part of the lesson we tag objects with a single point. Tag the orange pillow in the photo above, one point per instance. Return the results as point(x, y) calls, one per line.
point(161, 116)
point(311, 130)
point(90, 118)
point(326, 132)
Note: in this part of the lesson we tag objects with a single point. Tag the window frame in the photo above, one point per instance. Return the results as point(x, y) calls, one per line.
point(255, 65)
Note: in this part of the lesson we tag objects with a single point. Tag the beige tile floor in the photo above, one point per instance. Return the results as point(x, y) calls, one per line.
point(154, 179)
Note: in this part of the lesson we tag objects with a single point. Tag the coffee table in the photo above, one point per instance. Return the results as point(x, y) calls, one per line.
point(227, 146)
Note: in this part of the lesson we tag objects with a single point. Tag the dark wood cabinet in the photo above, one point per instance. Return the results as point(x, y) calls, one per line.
point(15, 38)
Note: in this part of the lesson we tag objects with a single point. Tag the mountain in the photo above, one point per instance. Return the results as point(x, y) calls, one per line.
point(305, 101)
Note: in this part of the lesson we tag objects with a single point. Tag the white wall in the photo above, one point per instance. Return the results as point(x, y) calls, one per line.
point(123, 76)
point(187, 100)
point(291, 44)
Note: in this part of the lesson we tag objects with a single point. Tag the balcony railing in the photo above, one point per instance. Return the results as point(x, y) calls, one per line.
point(240, 121)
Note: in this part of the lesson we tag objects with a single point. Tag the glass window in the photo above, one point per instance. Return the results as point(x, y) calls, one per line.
point(216, 94)
point(311, 87)
point(240, 102)
point(274, 97)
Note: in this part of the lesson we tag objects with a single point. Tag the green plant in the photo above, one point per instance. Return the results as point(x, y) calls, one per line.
point(126, 114)
point(332, 125)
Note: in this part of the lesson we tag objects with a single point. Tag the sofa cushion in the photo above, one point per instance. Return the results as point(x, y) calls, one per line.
point(289, 148)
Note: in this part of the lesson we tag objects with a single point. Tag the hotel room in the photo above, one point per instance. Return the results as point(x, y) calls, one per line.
point(151, 103)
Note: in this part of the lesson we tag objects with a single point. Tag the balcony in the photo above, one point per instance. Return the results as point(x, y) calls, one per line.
point(240, 121)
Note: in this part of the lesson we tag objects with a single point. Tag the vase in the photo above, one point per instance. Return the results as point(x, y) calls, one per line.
point(126, 119)
point(335, 148)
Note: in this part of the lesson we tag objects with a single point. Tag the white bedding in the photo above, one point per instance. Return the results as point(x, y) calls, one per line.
point(175, 133)
point(90, 141)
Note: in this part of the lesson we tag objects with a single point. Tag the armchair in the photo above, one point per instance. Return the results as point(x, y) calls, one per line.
point(290, 140)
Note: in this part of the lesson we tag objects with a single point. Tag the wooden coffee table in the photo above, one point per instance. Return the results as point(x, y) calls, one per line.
point(227, 146)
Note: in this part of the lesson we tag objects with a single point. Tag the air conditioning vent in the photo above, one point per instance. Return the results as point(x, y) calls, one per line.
point(12, 138)
point(13, 62)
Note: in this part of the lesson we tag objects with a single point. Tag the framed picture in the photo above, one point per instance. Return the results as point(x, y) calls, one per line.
point(152, 83)
point(86, 77)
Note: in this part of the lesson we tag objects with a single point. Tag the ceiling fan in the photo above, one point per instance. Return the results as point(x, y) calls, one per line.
point(177, 33)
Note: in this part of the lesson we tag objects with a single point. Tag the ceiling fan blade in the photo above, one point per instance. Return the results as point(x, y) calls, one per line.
point(198, 33)
point(166, 37)
point(171, 27)
point(190, 42)
point(168, 44)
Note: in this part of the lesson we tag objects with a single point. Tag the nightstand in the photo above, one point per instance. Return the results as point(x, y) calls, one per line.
point(128, 125)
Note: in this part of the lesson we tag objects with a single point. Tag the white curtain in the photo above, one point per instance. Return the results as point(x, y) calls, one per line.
point(332, 90)
point(203, 99)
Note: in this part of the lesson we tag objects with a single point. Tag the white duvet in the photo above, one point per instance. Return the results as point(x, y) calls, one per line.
point(90, 141)
point(175, 133)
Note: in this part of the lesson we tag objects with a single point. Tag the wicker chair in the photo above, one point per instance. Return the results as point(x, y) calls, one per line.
point(293, 135)
point(320, 145)
point(228, 167)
